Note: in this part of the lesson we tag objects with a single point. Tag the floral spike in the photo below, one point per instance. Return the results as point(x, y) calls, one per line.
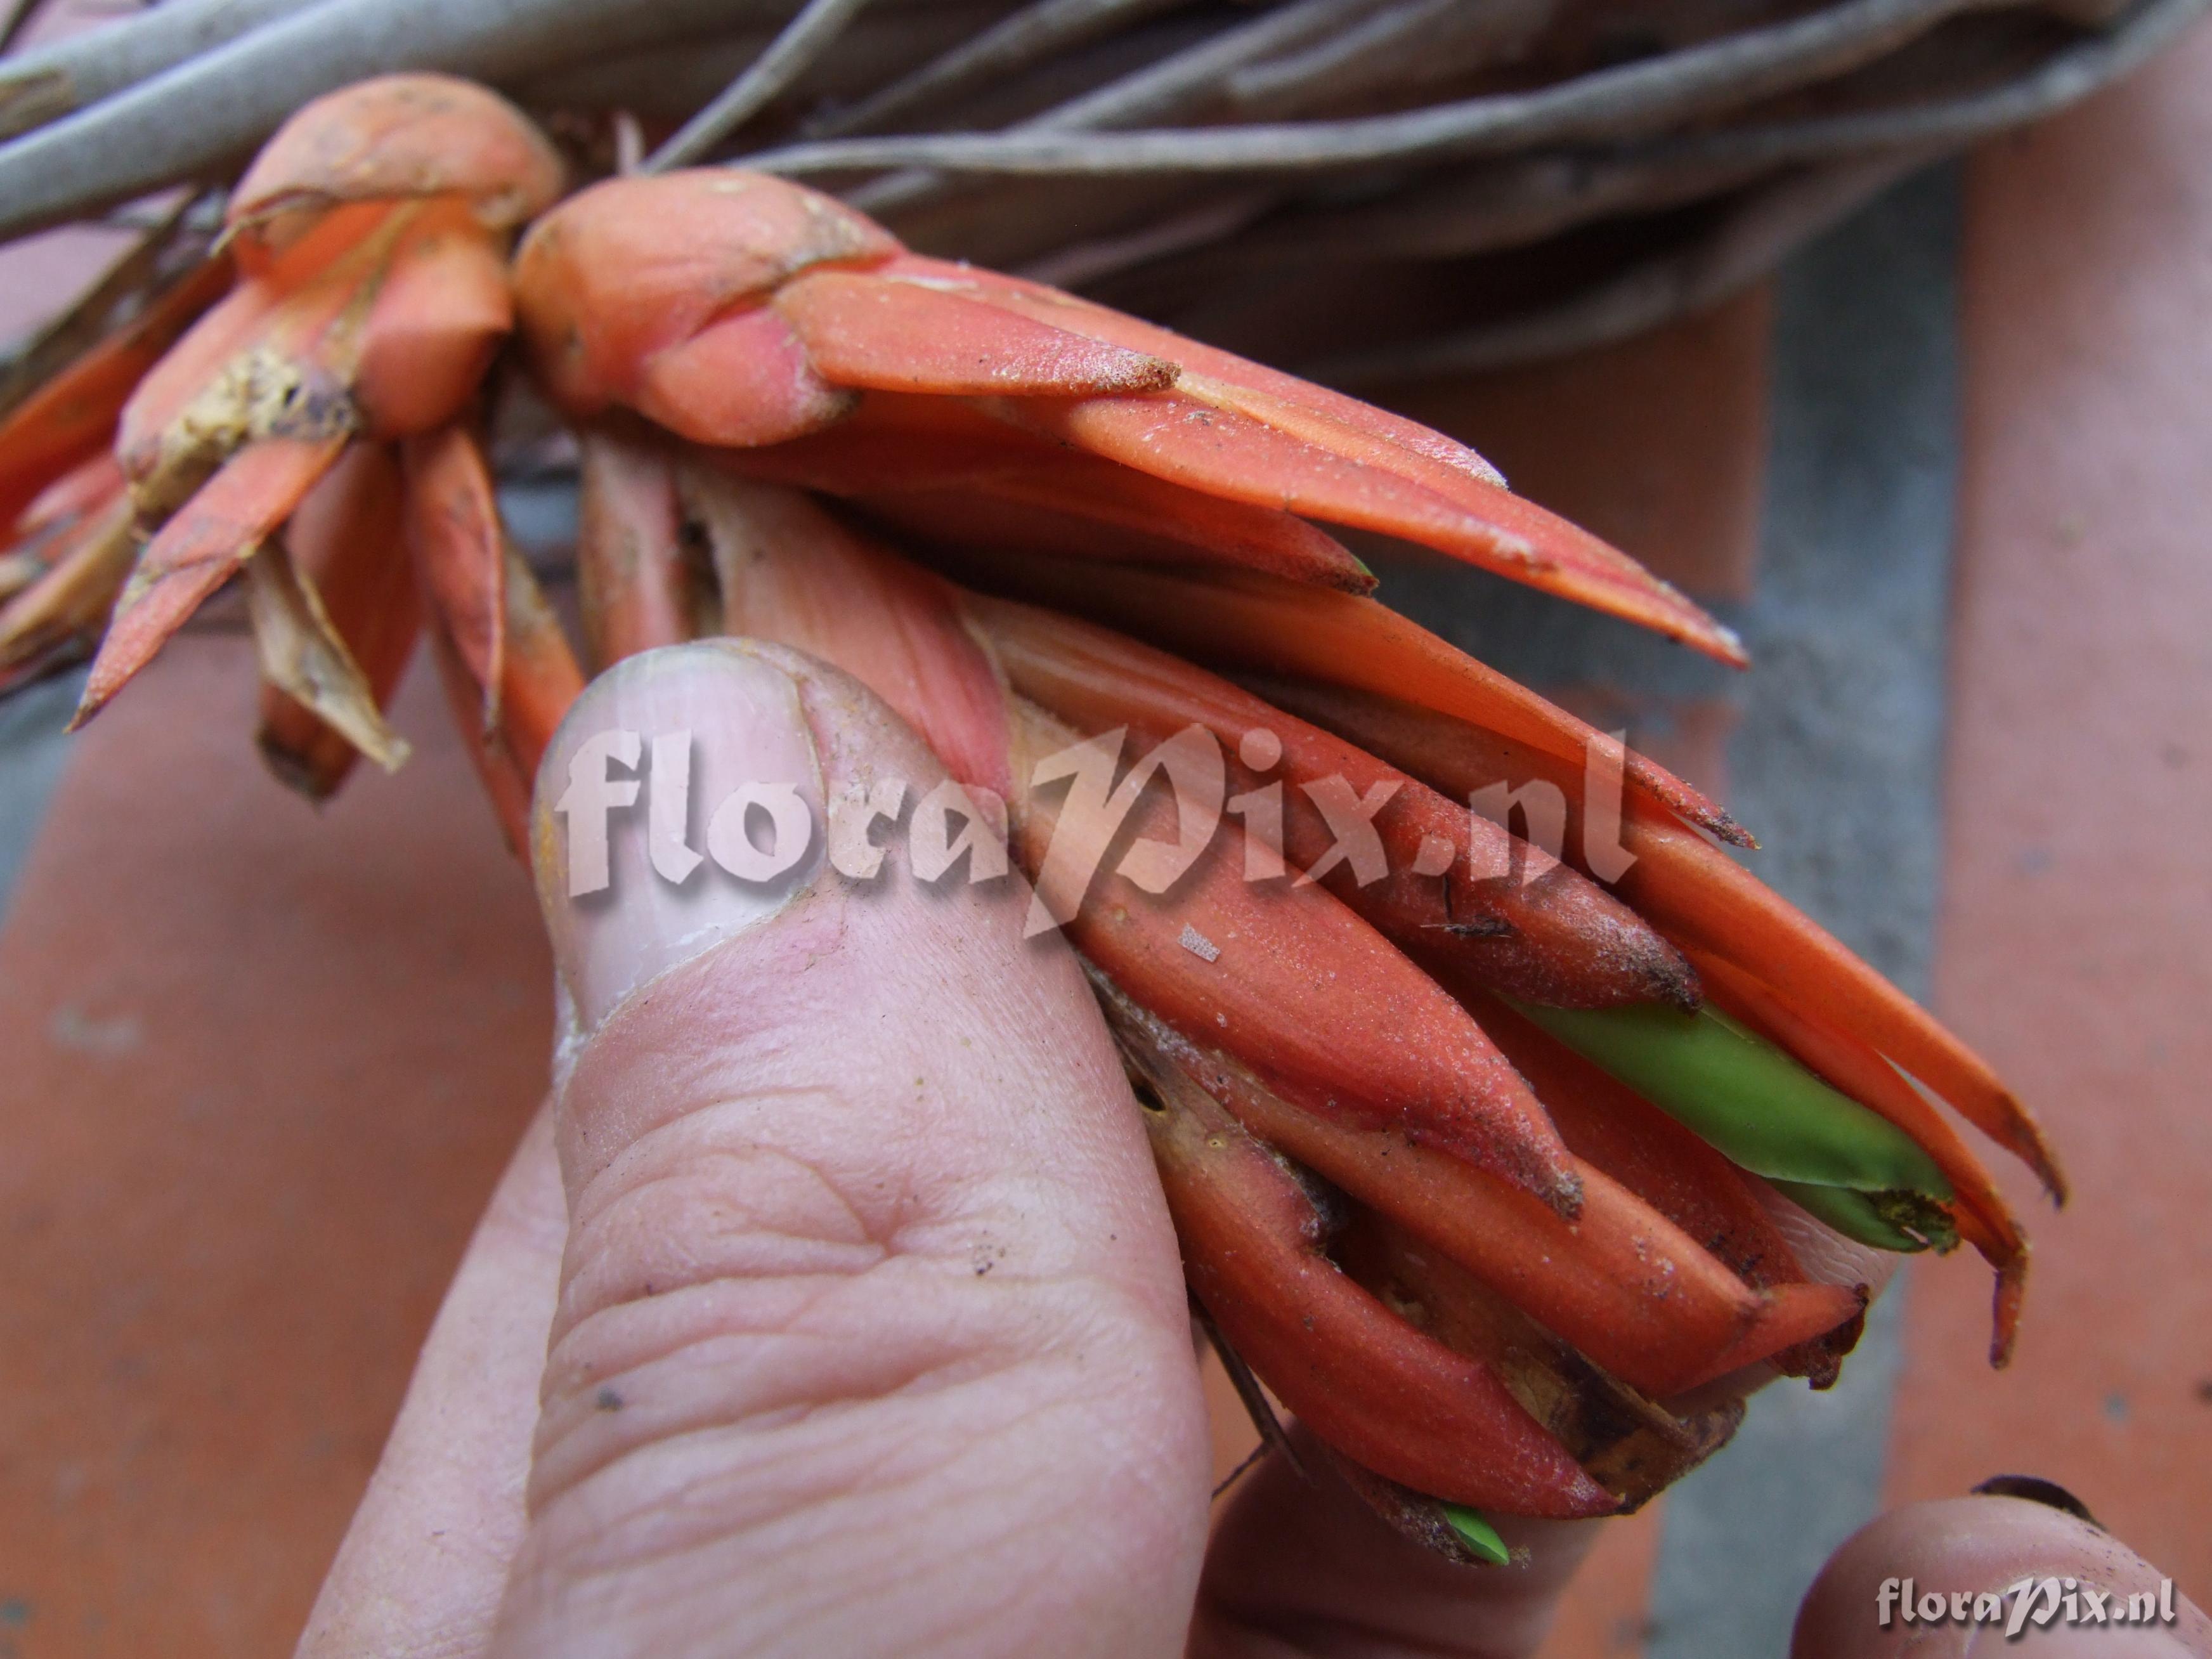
point(1664, 1163)
point(1622, 1283)
point(372, 295)
point(1484, 1302)
point(1400, 1402)
point(539, 678)
point(781, 328)
point(1983, 1218)
point(1308, 651)
point(1631, 1445)
point(1706, 902)
point(1371, 1040)
point(790, 573)
point(1315, 1000)
point(952, 482)
point(1525, 923)
point(1701, 897)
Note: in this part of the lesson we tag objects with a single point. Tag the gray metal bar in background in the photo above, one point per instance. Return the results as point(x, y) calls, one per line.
point(31, 752)
point(1838, 765)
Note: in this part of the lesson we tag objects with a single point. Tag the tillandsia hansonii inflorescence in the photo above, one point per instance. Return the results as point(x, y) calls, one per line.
point(1486, 1157)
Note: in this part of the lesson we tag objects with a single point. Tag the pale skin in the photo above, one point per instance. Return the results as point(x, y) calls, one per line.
point(830, 1307)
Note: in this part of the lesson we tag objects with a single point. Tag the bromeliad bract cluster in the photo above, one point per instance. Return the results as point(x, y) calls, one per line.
point(1487, 1162)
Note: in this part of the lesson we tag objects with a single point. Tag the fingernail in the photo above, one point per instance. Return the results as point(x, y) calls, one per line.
point(2036, 1490)
point(679, 804)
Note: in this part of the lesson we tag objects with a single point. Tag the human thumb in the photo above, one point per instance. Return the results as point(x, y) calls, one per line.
point(871, 1335)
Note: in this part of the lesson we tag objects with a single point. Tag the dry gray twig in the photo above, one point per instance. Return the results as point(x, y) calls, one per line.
point(1204, 224)
point(1173, 87)
point(1508, 203)
point(47, 82)
point(1749, 241)
point(1627, 101)
point(213, 107)
point(672, 79)
point(19, 14)
point(1034, 33)
point(2064, 78)
point(1407, 43)
point(804, 40)
point(1517, 202)
point(1196, 73)
point(1186, 193)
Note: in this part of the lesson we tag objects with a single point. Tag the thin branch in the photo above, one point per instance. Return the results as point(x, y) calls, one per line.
point(47, 82)
point(1508, 203)
point(1404, 45)
point(1249, 1394)
point(673, 80)
point(1524, 199)
point(1748, 243)
point(210, 109)
point(1197, 72)
point(19, 17)
point(1029, 35)
point(1243, 1466)
point(807, 37)
point(1176, 85)
point(1632, 99)
point(1204, 224)
point(2064, 78)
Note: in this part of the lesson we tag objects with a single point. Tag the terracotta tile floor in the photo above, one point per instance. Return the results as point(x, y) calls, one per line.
point(2076, 937)
point(262, 1068)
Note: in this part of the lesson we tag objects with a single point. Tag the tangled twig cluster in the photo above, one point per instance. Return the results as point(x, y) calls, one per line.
point(1496, 182)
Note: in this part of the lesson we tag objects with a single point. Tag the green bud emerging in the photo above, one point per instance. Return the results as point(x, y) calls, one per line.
point(1887, 1221)
point(1850, 1167)
point(1477, 1533)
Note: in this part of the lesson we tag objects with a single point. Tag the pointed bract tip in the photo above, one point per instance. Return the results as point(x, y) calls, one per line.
point(2006, 1300)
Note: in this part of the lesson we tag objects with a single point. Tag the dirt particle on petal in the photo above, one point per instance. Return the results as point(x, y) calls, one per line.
point(607, 1401)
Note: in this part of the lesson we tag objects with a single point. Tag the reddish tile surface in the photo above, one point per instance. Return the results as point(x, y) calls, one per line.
point(1607, 1611)
point(2074, 942)
point(1657, 444)
point(261, 1072)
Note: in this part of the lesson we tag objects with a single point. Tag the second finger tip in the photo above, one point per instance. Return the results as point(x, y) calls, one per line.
point(1979, 1558)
